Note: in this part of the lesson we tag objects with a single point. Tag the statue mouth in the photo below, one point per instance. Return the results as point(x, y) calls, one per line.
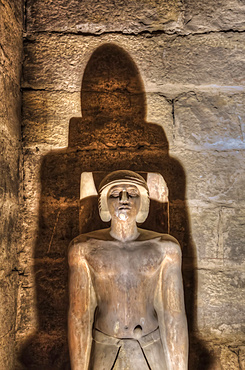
point(124, 207)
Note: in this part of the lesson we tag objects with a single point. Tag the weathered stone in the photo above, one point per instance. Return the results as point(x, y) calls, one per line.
point(136, 17)
point(26, 316)
point(159, 111)
point(220, 305)
point(10, 106)
point(103, 16)
point(7, 351)
point(241, 356)
point(214, 15)
point(233, 236)
point(9, 168)
point(208, 355)
point(45, 351)
point(201, 77)
point(210, 121)
point(54, 62)
point(10, 69)
point(46, 117)
point(213, 176)
point(11, 39)
point(199, 235)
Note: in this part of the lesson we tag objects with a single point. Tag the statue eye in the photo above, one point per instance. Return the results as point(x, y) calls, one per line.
point(114, 194)
point(133, 193)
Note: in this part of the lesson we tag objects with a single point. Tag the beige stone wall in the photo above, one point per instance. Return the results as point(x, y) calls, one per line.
point(10, 173)
point(190, 55)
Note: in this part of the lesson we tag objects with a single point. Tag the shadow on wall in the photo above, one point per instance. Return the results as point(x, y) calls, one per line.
point(112, 134)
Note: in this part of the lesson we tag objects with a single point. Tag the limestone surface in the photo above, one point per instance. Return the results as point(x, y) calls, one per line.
point(200, 60)
point(103, 16)
point(10, 174)
point(190, 57)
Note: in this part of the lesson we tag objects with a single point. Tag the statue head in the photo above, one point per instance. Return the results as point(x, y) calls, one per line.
point(124, 177)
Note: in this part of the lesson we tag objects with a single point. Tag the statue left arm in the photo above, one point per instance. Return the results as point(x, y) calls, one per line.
point(169, 305)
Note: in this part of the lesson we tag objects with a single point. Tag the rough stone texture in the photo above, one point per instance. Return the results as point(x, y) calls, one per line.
point(57, 62)
point(216, 176)
point(10, 105)
point(103, 16)
point(189, 126)
point(45, 117)
point(135, 17)
point(233, 236)
point(217, 357)
point(204, 229)
point(207, 121)
point(224, 315)
point(214, 15)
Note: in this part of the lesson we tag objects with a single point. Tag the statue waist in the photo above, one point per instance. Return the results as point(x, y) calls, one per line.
point(144, 341)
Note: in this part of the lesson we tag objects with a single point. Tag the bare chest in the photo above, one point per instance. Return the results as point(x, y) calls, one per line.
point(112, 259)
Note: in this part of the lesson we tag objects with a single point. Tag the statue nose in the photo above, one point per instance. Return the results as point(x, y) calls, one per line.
point(124, 196)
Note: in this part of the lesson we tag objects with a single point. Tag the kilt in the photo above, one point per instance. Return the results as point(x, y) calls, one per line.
point(127, 354)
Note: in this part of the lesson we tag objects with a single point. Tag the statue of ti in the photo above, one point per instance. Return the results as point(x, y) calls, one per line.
point(126, 295)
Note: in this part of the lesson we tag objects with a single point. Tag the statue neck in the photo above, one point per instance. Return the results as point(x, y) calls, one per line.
point(124, 230)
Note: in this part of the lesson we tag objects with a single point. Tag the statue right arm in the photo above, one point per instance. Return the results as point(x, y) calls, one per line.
point(82, 304)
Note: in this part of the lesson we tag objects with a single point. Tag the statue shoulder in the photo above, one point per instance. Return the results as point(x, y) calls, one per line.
point(170, 246)
point(77, 249)
point(81, 245)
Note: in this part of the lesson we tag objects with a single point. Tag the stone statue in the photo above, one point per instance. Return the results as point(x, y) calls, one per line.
point(126, 295)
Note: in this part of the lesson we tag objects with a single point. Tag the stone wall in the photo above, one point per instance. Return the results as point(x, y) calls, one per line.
point(10, 174)
point(190, 56)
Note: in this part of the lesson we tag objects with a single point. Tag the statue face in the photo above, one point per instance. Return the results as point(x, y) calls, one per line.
point(123, 202)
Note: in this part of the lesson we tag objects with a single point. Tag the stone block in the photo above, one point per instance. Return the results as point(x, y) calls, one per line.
point(51, 280)
point(213, 176)
point(9, 169)
point(208, 355)
point(241, 355)
point(11, 38)
point(32, 164)
point(103, 16)
point(233, 236)
point(214, 15)
point(45, 351)
point(135, 17)
point(198, 231)
point(10, 106)
point(7, 319)
point(17, 10)
point(58, 62)
point(159, 111)
point(26, 316)
point(46, 117)
point(210, 121)
point(7, 349)
point(220, 304)
point(9, 214)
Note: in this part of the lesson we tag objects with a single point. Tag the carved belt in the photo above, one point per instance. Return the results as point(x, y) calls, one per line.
point(122, 354)
point(144, 341)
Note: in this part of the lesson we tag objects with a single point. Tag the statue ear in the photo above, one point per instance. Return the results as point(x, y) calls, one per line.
point(103, 207)
point(144, 206)
point(105, 216)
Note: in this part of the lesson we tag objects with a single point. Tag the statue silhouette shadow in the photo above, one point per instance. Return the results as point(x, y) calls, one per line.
point(112, 134)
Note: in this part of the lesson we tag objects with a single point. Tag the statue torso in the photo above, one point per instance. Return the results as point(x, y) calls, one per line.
point(124, 277)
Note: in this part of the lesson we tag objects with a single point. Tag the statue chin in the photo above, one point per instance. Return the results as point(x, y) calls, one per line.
point(122, 216)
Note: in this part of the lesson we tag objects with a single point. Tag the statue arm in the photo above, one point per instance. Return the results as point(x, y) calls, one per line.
point(82, 304)
point(169, 305)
